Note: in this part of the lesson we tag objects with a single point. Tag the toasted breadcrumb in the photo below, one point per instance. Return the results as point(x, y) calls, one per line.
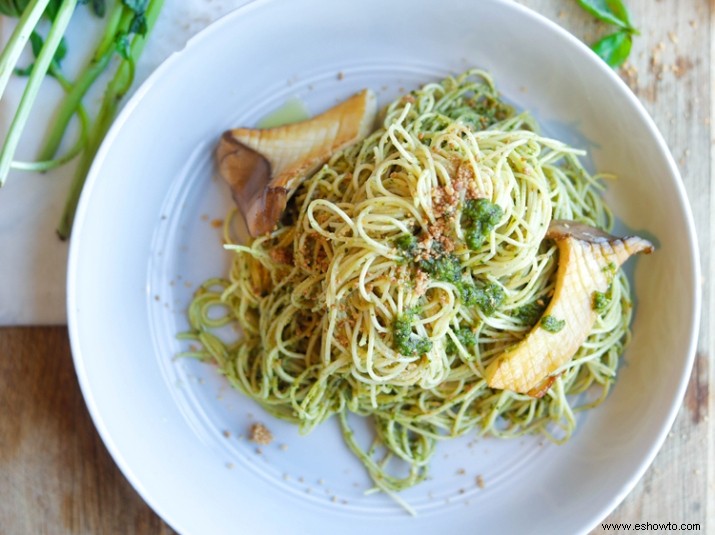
point(260, 434)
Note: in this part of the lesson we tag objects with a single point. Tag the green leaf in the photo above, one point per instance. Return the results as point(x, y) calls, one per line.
point(53, 8)
point(122, 45)
point(24, 71)
point(610, 11)
point(99, 7)
point(137, 6)
point(138, 25)
point(12, 8)
point(61, 51)
point(614, 48)
point(36, 42)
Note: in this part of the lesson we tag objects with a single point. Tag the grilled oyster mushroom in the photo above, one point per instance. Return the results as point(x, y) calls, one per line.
point(264, 167)
point(588, 259)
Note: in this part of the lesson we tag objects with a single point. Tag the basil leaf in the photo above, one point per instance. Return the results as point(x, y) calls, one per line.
point(614, 48)
point(610, 11)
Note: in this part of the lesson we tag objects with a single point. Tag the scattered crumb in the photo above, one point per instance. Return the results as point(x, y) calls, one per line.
point(217, 223)
point(341, 75)
point(229, 465)
point(204, 217)
point(629, 72)
point(524, 89)
point(260, 434)
point(693, 24)
point(286, 477)
point(187, 284)
point(284, 447)
point(461, 491)
point(480, 482)
point(259, 451)
point(333, 499)
point(461, 472)
point(226, 433)
point(163, 217)
point(156, 298)
point(300, 479)
point(320, 482)
point(673, 38)
point(561, 14)
point(308, 490)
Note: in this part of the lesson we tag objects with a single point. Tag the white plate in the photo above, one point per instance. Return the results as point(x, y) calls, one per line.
point(144, 238)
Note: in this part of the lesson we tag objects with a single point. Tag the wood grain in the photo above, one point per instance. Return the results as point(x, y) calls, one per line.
point(57, 477)
point(670, 70)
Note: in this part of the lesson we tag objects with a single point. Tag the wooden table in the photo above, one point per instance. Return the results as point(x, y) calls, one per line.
point(57, 477)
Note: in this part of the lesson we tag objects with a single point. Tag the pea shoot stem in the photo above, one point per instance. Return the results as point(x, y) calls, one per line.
point(116, 89)
point(11, 53)
point(42, 64)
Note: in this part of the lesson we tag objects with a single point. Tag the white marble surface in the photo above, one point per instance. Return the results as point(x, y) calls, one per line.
point(32, 259)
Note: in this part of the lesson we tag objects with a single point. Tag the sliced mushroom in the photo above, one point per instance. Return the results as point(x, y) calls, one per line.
point(588, 259)
point(264, 167)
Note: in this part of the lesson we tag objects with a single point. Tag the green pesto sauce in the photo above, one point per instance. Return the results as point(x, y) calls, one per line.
point(404, 340)
point(610, 271)
point(551, 324)
point(444, 268)
point(480, 217)
point(407, 244)
point(601, 300)
point(529, 314)
point(465, 336)
point(482, 112)
point(292, 111)
point(488, 297)
point(447, 268)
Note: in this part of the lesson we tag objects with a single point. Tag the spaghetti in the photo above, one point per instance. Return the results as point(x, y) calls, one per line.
point(401, 269)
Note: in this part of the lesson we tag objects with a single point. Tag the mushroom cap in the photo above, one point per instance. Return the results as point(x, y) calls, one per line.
point(264, 167)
